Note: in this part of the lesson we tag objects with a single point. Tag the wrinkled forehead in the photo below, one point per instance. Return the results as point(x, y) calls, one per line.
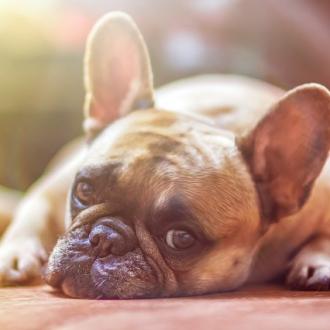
point(156, 133)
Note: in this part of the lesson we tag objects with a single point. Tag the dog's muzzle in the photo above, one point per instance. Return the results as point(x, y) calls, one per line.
point(102, 260)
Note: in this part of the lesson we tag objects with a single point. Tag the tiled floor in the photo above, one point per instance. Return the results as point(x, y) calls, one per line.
point(268, 307)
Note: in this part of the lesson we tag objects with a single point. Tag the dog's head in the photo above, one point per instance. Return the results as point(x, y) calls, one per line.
point(165, 204)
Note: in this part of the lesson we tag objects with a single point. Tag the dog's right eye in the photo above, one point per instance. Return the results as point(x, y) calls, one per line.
point(179, 239)
point(84, 193)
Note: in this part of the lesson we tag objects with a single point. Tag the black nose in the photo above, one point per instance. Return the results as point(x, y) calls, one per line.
point(112, 236)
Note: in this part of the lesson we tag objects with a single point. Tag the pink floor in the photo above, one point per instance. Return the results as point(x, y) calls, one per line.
point(269, 307)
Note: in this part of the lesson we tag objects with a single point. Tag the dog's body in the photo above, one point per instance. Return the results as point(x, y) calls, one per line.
point(180, 158)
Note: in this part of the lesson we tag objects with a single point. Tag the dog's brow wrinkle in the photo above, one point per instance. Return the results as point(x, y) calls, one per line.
point(89, 215)
point(94, 172)
point(156, 135)
point(164, 146)
point(171, 208)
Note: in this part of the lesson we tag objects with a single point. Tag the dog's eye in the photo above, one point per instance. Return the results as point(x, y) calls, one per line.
point(84, 192)
point(179, 239)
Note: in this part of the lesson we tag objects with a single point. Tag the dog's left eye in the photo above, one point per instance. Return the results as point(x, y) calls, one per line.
point(179, 239)
point(84, 192)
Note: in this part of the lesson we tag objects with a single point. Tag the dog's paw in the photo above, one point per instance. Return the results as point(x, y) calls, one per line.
point(21, 261)
point(310, 269)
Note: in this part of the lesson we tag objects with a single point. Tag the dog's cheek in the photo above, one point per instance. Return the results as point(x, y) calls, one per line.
point(69, 266)
point(80, 286)
point(219, 271)
point(57, 264)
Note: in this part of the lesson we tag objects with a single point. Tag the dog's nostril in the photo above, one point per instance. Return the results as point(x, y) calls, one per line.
point(103, 239)
point(106, 240)
point(94, 238)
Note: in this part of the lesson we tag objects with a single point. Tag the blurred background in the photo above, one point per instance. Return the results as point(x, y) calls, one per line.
point(42, 42)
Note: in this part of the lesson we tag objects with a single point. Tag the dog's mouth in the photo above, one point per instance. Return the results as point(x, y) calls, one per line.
point(74, 269)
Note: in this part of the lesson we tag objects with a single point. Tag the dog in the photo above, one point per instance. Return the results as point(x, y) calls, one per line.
point(207, 184)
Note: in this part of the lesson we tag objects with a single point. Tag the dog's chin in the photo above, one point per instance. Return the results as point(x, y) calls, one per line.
point(73, 269)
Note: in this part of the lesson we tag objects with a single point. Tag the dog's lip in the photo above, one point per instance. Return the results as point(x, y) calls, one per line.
point(157, 271)
point(54, 278)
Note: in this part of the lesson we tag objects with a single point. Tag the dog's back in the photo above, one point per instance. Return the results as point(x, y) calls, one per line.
point(235, 103)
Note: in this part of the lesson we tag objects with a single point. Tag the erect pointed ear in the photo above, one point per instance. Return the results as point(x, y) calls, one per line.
point(288, 148)
point(118, 76)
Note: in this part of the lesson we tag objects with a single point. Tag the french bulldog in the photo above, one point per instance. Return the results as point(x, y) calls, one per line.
point(200, 187)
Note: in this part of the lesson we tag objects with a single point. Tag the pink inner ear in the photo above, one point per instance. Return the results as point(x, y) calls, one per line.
point(288, 148)
point(117, 67)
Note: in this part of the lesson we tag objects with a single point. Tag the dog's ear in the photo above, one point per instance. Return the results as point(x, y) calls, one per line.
point(288, 148)
point(118, 76)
